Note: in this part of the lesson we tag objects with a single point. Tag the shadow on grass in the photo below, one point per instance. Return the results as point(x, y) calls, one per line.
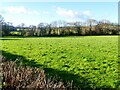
point(78, 81)
point(9, 39)
point(49, 36)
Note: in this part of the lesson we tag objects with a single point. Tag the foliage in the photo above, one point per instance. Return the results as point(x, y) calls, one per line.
point(61, 28)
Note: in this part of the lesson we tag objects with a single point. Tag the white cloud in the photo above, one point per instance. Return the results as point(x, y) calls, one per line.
point(87, 13)
point(19, 10)
point(68, 13)
point(22, 10)
point(45, 12)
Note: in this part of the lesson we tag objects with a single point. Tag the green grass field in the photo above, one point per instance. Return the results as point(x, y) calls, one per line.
point(90, 61)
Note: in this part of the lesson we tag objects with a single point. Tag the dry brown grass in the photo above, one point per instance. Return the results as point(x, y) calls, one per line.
point(17, 76)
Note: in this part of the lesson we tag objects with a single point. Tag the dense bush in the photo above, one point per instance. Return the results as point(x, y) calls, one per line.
point(16, 76)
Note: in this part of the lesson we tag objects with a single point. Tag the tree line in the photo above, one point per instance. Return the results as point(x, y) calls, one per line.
point(60, 28)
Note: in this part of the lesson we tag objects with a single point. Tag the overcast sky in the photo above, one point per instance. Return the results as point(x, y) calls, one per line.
point(32, 13)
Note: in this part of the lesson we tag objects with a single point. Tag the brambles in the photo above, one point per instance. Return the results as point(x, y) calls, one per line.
point(21, 77)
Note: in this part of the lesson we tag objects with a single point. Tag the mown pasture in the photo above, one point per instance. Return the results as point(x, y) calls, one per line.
point(90, 61)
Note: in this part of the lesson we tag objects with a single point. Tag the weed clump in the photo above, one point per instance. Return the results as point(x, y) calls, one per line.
point(16, 76)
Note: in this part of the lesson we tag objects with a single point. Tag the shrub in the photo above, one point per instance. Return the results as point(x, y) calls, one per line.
point(17, 77)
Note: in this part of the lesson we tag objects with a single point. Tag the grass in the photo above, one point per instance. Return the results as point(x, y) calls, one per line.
point(90, 61)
